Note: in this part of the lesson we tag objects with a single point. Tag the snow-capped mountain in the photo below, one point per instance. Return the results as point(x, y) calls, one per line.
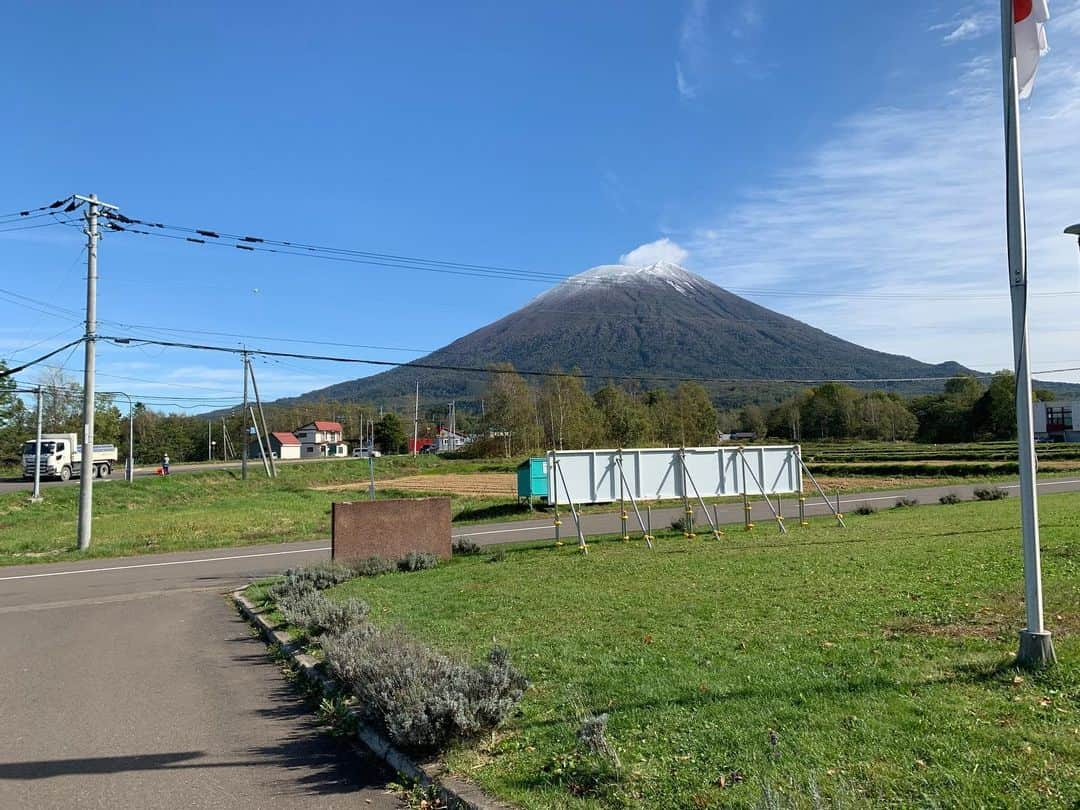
point(619, 321)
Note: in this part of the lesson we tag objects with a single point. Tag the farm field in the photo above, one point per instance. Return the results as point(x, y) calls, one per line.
point(859, 667)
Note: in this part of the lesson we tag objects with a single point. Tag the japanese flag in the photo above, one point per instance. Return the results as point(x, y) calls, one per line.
point(1029, 17)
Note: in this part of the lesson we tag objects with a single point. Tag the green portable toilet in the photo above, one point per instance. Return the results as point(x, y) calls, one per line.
point(532, 481)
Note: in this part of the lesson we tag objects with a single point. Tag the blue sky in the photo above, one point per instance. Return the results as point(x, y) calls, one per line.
point(843, 167)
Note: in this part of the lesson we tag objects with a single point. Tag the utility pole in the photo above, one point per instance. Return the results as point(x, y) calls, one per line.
point(36, 497)
point(416, 420)
point(244, 436)
point(269, 455)
point(86, 467)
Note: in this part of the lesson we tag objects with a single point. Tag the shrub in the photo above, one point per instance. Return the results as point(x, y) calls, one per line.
point(950, 498)
point(465, 545)
point(592, 736)
point(498, 557)
point(372, 566)
point(678, 525)
point(423, 699)
point(316, 614)
point(991, 493)
point(865, 509)
point(904, 502)
point(417, 561)
point(305, 580)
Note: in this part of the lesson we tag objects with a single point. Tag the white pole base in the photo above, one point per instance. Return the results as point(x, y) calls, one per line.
point(1036, 650)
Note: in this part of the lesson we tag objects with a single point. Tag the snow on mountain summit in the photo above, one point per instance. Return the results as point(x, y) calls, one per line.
point(624, 274)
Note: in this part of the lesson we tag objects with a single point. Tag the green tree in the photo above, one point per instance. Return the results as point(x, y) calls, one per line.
point(512, 410)
point(993, 415)
point(946, 417)
point(752, 419)
point(624, 419)
point(694, 415)
point(13, 420)
point(567, 413)
point(830, 411)
point(389, 434)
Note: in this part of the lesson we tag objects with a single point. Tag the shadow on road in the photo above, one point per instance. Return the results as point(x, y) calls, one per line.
point(48, 768)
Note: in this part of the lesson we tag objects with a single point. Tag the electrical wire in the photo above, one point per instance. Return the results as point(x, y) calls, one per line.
point(134, 341)
point(220, 238)
point(50, 207)
point(7, 372)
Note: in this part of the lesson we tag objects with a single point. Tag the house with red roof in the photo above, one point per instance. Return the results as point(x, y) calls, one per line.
point(321, 439)
point(282, 445)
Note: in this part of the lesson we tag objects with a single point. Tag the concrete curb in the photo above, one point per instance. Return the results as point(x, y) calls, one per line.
point(456, 794)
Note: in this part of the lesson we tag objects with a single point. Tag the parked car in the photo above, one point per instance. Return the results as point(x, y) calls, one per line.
point(363, 452)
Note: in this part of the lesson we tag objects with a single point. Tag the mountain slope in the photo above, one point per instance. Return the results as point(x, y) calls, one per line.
point(635, 322)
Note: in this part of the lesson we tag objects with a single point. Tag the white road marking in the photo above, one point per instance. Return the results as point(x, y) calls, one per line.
point(161, 564)
point(499, 531)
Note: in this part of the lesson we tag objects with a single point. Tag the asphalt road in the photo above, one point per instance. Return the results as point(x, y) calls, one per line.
point(134, 684)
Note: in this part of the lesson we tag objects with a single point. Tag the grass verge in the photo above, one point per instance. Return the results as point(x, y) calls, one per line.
point(869, 666)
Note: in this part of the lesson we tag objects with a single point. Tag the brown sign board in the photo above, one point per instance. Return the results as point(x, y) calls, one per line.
point(390, 528)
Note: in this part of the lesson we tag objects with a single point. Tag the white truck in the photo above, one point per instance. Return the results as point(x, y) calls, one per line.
point(61, 457)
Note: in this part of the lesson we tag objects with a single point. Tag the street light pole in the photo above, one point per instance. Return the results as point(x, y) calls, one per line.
point(129, 467)
point(36, 497)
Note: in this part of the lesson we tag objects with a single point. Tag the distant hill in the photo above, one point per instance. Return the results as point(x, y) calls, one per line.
point(634, 322)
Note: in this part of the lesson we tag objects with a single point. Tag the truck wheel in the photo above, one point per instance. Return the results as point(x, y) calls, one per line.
point(65, 473)
point(103, 470)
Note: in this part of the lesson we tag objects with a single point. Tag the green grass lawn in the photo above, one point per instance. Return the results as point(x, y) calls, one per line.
point(196, 510)
point(877, 658)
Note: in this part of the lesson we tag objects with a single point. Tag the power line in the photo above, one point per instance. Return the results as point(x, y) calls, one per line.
point(53, 206)
point(10, 371)
point(220, 238)
point(524, 373)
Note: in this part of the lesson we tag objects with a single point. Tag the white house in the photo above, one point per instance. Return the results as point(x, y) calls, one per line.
point(282, 445)
point(321, 439)
point(1054, 421)
point(449, 441)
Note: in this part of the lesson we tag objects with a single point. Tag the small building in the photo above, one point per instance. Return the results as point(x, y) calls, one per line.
point(282, 445)
point(449, 441)
point(418, 445)
point(321, 439)
point(1053, 421)
point(532, 479)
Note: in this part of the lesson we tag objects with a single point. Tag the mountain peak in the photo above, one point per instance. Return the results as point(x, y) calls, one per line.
point(665, 273)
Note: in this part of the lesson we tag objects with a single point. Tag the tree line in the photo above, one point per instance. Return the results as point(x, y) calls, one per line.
point(517, 417)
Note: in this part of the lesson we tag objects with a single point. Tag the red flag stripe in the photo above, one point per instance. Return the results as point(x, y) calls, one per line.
point(1021, 10)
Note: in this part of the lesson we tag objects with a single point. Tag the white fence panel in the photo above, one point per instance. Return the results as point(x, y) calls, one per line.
point(651, 474)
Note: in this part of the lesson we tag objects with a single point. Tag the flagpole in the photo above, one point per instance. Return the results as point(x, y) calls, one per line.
point(1036, 647)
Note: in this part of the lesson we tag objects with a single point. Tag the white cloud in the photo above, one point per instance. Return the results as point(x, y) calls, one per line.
point(892, 233)
point(697, 61)
point(662, 250)
point(970, 27)
point(693, 48)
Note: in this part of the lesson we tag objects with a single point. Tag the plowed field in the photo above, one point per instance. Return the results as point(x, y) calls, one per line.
point(491, 485)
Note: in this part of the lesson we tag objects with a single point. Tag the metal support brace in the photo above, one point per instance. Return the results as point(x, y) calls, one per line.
point(761, 489)
point(554, 500)
point(622, 499)
point(836, 512)
point(713, 524)
point(646, 532)
point(688, 512)
point(573, 510)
